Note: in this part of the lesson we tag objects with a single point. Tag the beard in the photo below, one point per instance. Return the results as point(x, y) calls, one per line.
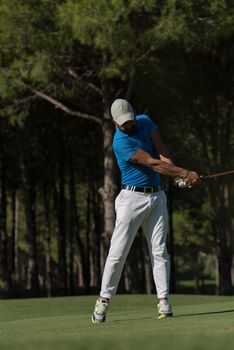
point(130, 130)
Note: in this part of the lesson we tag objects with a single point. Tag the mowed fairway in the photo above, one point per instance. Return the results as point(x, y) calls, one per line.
point(199, 322)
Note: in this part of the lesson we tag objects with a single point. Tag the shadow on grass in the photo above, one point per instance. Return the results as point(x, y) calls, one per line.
point(183, 315)
point(205, 313)
point(132, 319)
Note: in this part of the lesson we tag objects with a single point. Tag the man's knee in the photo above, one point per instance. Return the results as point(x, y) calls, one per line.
point(116, 259)
point(161, 255)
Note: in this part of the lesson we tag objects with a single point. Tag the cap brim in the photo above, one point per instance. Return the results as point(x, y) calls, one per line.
point(124, 118)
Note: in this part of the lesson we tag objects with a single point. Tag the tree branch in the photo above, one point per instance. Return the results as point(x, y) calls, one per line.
point(132, 77)
point(131, 84)
point(73, 73)
point(53, 101)
point(60, 105)
point(118, 93)
point(140, 58)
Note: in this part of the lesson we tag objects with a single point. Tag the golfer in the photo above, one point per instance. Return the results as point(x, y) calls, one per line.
point(142, 157)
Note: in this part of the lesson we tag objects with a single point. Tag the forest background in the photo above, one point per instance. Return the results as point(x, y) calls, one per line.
point(62, 63)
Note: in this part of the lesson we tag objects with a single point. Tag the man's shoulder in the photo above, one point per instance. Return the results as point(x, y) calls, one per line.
point(142, 117)
point(145, 121)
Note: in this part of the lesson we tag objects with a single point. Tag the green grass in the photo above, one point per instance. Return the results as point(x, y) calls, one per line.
point(199, 322)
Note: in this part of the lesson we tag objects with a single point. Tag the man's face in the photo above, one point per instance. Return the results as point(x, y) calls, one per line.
point(128, 127)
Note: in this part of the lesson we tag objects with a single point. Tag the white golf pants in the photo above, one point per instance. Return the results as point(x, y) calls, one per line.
point(134, 209)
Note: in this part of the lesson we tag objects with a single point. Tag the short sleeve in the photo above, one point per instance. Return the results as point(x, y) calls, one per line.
point(125, 148)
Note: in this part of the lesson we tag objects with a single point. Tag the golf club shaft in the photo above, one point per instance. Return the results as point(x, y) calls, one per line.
point(218, 174)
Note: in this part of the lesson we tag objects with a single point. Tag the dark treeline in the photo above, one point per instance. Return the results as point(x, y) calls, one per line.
point(51, 211)
point(62, 63)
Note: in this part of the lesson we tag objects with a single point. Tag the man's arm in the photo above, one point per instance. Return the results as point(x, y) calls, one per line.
point(160, 147)
point(143, 158)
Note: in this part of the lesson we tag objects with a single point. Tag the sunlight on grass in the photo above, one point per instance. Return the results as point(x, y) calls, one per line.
point(203, 322)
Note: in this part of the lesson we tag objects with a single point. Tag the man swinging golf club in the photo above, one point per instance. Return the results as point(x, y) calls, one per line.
point(142, 157)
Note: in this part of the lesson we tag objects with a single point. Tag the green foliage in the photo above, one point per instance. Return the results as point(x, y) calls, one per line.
point(92, 22)
point(26, 35)
point(40, 67)
point(3, 87)
point(142, 5)
point(196, 23)
point(103, 26)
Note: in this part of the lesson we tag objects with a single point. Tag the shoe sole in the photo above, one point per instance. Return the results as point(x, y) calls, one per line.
point(164, 316)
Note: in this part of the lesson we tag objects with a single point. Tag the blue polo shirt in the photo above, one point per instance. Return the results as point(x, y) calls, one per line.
point(125, 146)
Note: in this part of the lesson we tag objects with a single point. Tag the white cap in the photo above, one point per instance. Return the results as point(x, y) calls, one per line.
point(121, 111)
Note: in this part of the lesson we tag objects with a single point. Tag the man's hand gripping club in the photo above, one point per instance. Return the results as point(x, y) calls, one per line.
point(190, 180)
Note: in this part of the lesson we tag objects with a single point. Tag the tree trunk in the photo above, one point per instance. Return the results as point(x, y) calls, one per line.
point(48, 272)
point(142, 262)
point(148, 271)
point(171, 239)
point(110, 187)
point(3, 226)
point(13, 242)
point(75, 226)
point(110, 171)
point(97, 234)
point(87, 238)
point(71, 228)
point(15, 236)
point(29, 188)
point(12, 254)
point(133, 260)
point(222, 228)
point(62, 262)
